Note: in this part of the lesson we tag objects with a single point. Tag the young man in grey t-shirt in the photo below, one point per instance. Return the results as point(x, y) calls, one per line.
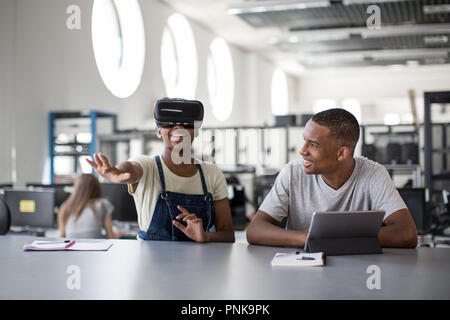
point(329, 178)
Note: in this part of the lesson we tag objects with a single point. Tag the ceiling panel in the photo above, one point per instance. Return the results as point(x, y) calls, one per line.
point(339, 15)
point(314, 29)
point(438, 40)
point(366, 63)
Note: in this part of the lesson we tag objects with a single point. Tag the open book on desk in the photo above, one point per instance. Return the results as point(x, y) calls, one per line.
point(298, 259)
point(68, 245)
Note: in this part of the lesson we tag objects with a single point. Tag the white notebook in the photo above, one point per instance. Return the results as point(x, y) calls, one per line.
point(74, 245)
point(298, 259)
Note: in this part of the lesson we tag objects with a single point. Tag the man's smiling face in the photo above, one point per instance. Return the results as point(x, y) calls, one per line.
point(320, 150)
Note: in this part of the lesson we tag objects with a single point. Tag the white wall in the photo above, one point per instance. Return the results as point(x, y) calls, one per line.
point(49, 67)
point(7, 9)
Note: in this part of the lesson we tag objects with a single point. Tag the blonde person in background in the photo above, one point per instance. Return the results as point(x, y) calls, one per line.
point(85, 214)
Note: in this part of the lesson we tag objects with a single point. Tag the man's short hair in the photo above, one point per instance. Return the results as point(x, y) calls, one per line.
point(342, 124)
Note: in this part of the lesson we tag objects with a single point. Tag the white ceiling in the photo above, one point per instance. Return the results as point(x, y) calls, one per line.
point(313, 39)
point(214, 16)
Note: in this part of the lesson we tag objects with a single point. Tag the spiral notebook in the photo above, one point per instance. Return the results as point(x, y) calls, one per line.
point(68, 245)
point(298, 259)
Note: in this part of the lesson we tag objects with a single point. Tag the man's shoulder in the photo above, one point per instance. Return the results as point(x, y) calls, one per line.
point(368, 163)
point(369, 167)
point(293, 169)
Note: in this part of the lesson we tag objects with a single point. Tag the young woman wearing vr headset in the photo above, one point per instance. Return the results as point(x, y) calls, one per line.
point(177, 197)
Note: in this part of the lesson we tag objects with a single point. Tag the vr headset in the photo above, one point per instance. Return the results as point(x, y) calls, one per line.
point(171, 112)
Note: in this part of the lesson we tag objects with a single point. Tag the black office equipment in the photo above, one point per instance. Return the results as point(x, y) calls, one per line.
point(123, 202)
point(345, 232)
point(410, 153)
point(415, 201)
point(5, 216)
point(5, 185)
point(304, 118)
point(285, 120)
point(394, 153)
point(31, 208)
point(369, 151)
point(60, 194)
point(237, 201)
point(261, 186)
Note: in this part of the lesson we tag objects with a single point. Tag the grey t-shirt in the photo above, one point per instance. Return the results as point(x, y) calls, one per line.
point(89, 224)
point(297, 195)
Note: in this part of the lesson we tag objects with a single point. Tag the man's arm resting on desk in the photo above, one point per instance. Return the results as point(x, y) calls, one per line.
point(399, 232)
point(264, 230)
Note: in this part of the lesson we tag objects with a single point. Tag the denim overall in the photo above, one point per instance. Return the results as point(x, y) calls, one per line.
point(161, 227)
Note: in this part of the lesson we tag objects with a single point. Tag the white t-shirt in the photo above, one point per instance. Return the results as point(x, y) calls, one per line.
point(298, 195)
point(90, 223)
point(149, 187)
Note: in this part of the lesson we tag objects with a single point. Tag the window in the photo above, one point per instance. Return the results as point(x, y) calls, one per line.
point(179, 58)
point(118, 40)
point(279, 93)
point(220, 79)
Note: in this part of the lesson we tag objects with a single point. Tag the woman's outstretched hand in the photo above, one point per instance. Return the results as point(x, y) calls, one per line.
point(111, 173)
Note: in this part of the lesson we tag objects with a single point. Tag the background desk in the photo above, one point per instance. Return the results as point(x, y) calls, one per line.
point(134, 269)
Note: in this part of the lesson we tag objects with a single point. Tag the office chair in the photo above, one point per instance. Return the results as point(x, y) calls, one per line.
point(5, 216)
point(237, 202)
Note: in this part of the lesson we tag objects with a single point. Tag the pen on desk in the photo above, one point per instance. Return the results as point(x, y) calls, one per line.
point(52, 242)
point(70, 244)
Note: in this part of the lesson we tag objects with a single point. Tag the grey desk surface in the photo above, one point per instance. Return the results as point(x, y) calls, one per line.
point(134, 269)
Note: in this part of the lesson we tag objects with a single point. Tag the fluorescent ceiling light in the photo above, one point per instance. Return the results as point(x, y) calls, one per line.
point(435, 60)
point(412, 63)
point(432, 9)
point(367, 2)
point(364, 33)
point(273, 6)
point(439, 55)
point(435, 39)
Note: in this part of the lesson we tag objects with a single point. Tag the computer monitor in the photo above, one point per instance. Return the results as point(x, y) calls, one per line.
point(123, 202)
point(410, 153)
point(60, 194)
point(394, 153)
point(415, 201)
point(31, 208)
